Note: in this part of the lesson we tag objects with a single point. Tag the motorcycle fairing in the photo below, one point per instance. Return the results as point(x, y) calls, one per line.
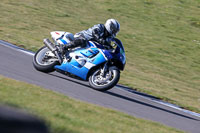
point(82, 61)
point(119, 55)
point(62, 37)
point(57, 34)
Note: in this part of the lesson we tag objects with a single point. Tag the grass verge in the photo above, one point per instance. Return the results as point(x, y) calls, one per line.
point(64, 115)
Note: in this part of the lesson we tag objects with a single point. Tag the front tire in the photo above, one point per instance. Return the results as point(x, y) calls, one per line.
point(100, 83)
point(43, 62)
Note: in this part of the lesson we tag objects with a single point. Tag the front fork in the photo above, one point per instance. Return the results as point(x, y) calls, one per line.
point(104, 70)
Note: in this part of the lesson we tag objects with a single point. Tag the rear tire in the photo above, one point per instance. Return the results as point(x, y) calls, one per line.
point(42, 63)
point(112, 80)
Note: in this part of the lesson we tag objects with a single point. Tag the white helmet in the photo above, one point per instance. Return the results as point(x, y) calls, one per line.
point(112, 26)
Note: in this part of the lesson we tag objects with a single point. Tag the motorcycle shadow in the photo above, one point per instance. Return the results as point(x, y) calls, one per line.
point(71, 78)
point(149, 105)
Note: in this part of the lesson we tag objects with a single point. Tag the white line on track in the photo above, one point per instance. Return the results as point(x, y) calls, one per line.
point(151, 98)
point(7, 44)
point(27, 52)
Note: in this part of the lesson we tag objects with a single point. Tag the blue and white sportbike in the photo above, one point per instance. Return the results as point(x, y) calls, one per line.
point(94, 63)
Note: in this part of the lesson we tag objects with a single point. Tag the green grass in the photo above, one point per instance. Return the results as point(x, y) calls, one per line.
point(161, 38)
point(65, 115)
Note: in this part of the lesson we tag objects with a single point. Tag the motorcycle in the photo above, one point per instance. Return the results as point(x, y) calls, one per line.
point(94, 63)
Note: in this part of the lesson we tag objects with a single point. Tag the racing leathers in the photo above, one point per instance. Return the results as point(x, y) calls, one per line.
point(96, 33)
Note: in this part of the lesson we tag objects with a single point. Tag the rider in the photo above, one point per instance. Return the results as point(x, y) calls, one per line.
point(102, 33)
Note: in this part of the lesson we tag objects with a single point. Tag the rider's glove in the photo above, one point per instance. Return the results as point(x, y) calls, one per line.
point(109, 40)
point(106, 41)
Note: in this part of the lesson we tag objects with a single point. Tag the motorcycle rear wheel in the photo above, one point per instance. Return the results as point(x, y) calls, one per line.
point(100, 83)
point(44, 63)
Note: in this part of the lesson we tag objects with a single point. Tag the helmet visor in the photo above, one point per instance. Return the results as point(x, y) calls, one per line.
point(114, 29)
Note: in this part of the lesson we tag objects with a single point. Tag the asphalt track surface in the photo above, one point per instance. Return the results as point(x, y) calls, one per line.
point(18, 65)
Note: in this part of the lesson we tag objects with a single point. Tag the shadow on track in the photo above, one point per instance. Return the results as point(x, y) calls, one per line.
point(74, 80)
point(125, 97)
point(149, 105)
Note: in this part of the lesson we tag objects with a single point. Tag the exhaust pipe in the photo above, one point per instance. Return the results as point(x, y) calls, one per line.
point(51, 47)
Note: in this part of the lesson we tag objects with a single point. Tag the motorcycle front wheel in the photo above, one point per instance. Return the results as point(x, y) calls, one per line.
point(106, 82)
point(44, 60)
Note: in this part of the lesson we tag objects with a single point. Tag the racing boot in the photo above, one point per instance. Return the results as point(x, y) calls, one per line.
point(70, 45)
point(78, 41)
